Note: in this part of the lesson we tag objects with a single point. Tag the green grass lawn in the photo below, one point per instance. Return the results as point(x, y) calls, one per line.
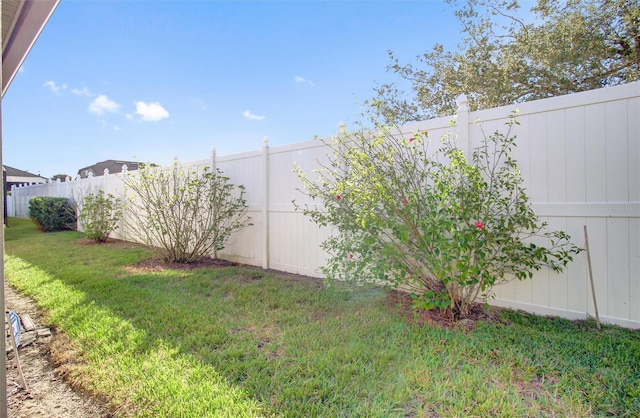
point(236, 342)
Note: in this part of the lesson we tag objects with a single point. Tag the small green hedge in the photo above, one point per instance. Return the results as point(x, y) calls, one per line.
point(52, 213)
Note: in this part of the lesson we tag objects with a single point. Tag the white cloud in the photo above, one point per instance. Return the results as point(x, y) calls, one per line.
point(54, 87)
point(101, 104)
point(302, 80)
point(150, 112)
point(84, 92)
point(247, 114)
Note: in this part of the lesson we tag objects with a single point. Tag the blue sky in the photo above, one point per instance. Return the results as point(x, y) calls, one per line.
point(151, 80)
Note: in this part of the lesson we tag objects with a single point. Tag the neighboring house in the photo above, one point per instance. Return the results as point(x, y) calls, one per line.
point(114, 166)
point(13, 176)
point(16, 177)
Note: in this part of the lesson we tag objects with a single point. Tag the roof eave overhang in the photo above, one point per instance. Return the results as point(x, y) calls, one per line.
point(25, 27)
point(24, 179)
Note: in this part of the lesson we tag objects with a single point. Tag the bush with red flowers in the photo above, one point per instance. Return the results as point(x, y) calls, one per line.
point(420, 215)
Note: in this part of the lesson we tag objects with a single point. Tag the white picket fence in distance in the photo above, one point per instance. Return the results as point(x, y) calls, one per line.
point(580, 158)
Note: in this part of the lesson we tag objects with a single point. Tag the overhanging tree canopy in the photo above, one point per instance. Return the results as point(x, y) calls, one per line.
point(509, 55)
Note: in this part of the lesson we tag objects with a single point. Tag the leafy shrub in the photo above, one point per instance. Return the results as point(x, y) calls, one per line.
point(99, 215)
point(53, 213)
point(183, 213)
point(427, 219)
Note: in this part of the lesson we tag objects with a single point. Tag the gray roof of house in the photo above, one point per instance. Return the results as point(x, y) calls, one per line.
point(14, 172)
point(114, 166)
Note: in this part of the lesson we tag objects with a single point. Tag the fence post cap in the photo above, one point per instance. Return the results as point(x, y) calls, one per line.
point(462, 102)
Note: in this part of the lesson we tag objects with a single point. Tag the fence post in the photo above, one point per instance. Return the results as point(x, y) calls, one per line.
point(12, 212)
point(462, 124)
point(68, 188)
point(123, 218)
point(213, 161)
point(105, 180)
point(265, 203)
point(175, 163)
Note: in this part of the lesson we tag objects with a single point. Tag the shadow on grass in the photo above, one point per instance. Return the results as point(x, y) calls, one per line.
point(274, 338)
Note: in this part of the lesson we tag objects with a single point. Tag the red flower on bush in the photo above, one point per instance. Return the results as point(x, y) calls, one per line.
point(412, 139)
point(338, 197)
point(350, 255)
point(479, 225)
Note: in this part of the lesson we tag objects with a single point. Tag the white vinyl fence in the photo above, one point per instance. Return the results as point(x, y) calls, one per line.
point(579, 155)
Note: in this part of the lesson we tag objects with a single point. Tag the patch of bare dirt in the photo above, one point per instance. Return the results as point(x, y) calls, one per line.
point(47, 393)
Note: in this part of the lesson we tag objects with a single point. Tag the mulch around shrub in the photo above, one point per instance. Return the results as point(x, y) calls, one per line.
point(401, 302)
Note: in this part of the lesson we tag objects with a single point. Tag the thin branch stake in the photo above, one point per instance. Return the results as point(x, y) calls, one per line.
point(593, 290)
